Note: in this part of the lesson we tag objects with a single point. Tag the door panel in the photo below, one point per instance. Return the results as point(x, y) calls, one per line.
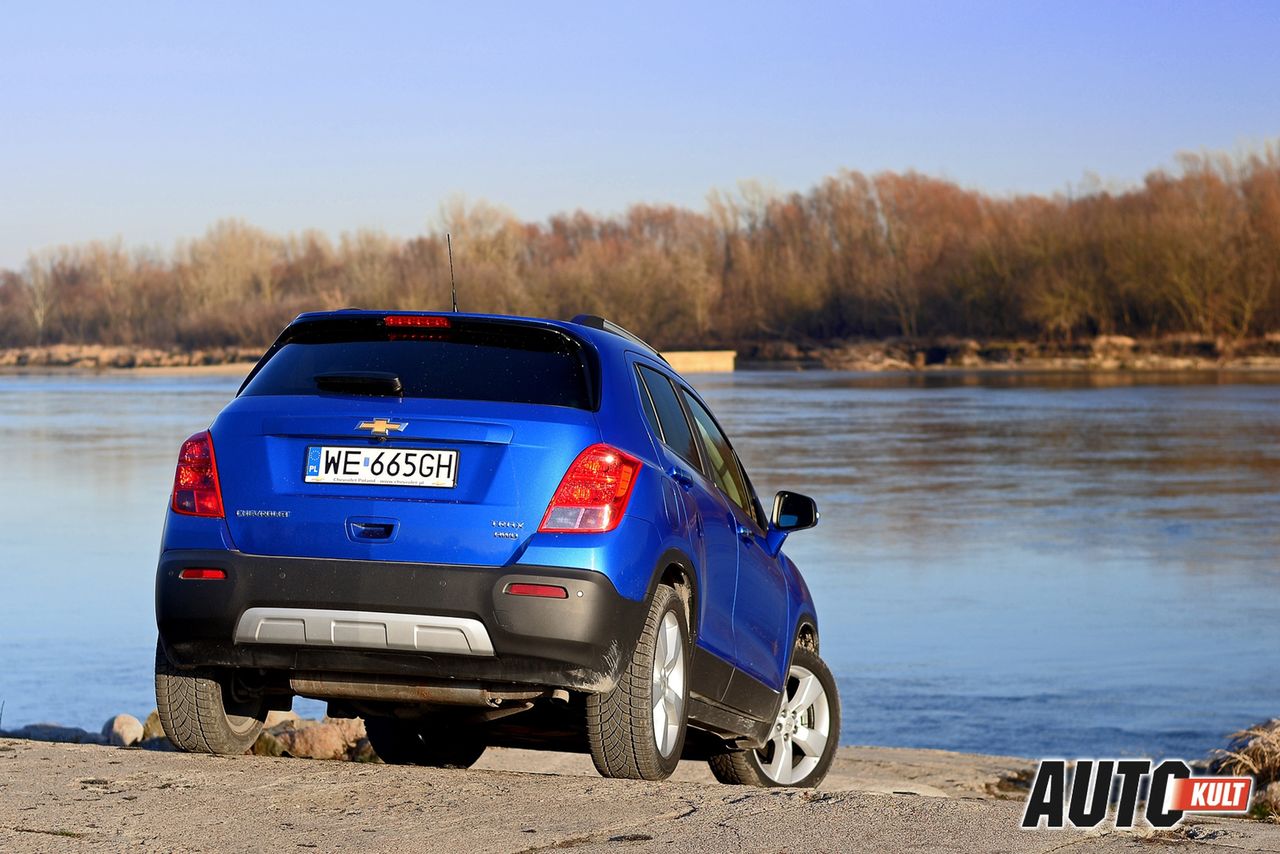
point(719, 567)
point(760, 610)
point(760, 598)
point(713, 536)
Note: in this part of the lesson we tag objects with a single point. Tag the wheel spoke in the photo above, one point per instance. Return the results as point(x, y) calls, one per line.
point(671, 642)
point(780, 768)
point(812, 742)
point(676, 680)
point(807, 692)
point(660, 652)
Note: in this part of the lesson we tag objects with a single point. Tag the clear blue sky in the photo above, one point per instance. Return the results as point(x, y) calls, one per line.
point(150, 123)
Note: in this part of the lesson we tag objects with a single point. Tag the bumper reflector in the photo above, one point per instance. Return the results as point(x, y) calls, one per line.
point(194, 573)
point(544, 591)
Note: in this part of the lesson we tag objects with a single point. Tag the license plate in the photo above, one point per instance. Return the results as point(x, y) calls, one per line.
point(382, 467)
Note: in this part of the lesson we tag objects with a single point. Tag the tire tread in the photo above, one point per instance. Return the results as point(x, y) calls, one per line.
point(192, 711)
point(619, 722)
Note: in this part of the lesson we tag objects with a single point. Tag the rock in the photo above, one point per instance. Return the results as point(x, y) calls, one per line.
point(275, 719)
point(267, 745)
point(352, 729)
point(55, 732)
point(151, 727)
point(123, 731)
point(1113, 345)
point(363, 752)
point(121, 357)
point(319, 741)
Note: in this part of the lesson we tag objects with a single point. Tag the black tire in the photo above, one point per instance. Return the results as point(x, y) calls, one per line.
point(748, 767)
point(435, 740)
point(200, 713)
point(620, 723)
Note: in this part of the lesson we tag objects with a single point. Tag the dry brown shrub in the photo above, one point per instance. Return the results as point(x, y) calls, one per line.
point(1254, 752)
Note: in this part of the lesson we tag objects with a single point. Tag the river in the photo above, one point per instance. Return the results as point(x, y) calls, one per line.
point(1033, 564)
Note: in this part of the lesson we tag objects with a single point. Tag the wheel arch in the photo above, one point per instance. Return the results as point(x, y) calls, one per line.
point(807, 634)
point(676, 569)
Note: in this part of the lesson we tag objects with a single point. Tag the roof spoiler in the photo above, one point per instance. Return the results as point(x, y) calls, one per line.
point(596, 322)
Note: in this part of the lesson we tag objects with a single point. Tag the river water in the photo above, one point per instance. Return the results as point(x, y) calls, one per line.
point(1044, 565)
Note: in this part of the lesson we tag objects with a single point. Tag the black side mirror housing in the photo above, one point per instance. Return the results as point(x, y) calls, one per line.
point(793, 512)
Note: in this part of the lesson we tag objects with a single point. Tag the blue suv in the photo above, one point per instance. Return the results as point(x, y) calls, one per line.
point(473, 530)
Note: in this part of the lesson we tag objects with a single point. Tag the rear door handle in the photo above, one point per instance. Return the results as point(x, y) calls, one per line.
point(680, 477)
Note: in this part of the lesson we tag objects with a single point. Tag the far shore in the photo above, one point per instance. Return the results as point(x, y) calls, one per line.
point(1103, 354)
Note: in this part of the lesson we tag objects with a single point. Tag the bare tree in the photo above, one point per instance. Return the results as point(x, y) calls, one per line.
point(231, 262)
point(1194, 249)
point(38, 285)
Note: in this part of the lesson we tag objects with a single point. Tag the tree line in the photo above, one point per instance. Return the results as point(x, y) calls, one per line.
point(1192, 250)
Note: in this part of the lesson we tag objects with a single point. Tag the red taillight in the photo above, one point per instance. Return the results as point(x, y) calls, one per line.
point(545, 591)
point(195, 483)
point(200, 573)
point(424, 321)
point(593, 493)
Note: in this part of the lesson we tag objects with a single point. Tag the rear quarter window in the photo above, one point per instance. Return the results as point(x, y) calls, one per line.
point(674, 428)
point(470, 360)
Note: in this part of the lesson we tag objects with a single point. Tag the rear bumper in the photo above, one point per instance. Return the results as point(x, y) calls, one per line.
point(407, 621)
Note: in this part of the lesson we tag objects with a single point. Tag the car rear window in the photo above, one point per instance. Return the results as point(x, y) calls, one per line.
point(466, 359)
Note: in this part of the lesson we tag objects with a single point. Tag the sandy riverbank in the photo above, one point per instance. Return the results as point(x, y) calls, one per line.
point(63, 797)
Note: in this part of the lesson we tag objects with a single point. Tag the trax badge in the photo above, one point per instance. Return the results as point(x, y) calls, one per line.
point(381, 426)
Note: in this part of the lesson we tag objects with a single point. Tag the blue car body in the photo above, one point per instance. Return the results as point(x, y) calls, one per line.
point(284, 543)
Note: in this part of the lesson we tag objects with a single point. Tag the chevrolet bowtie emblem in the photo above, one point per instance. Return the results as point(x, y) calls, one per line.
point(381, 426)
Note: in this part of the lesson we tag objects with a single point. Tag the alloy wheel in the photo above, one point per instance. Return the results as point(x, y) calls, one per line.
point(668, 684)
point(800, 734)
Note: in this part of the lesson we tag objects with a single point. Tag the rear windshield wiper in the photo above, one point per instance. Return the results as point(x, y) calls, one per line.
point(377, 383)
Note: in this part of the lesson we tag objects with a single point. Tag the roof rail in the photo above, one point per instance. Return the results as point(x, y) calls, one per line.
point(596, 322)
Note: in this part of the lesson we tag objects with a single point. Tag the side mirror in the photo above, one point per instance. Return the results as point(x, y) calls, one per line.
point(794, 512)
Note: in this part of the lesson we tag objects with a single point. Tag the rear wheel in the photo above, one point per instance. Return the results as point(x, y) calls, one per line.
point(206, 711)
point(436, 740)
point(637, 730)
point(804, 738)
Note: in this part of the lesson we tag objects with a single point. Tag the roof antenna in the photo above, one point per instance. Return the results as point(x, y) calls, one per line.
point(453, 286)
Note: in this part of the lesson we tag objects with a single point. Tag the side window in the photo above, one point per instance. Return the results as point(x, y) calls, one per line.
point(646, 403)
point(674, 432)
point(724, 465)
